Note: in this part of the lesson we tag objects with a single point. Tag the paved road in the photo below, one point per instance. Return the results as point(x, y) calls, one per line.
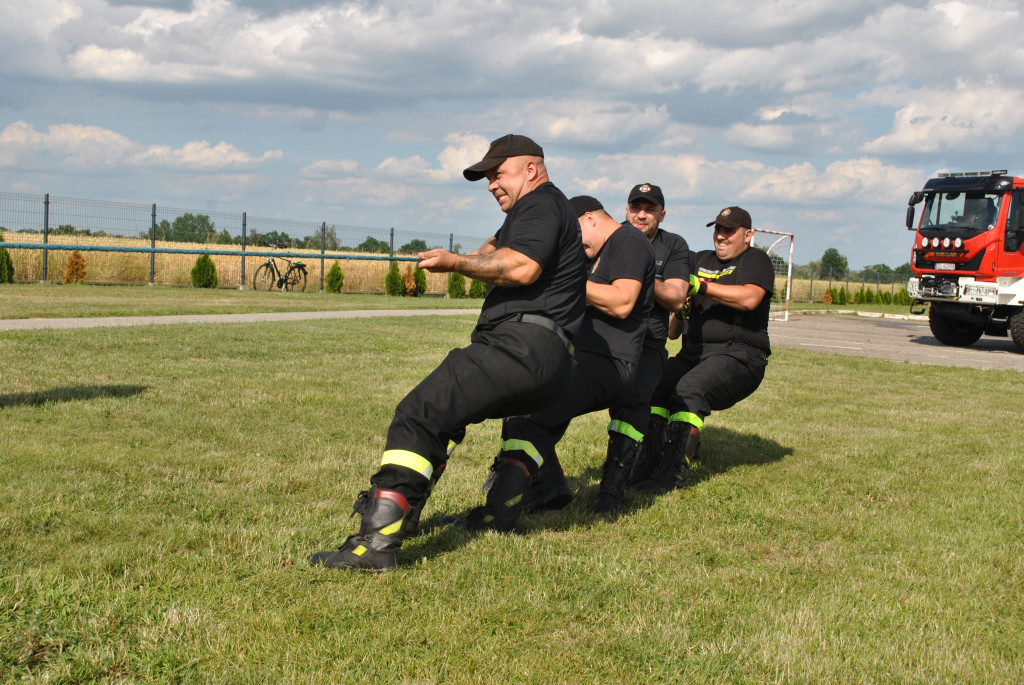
point(895, 339)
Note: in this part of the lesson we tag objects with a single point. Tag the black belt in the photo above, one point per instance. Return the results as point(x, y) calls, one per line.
point(544, 322)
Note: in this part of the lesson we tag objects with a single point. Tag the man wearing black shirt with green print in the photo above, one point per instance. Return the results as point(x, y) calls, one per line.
point(726, 348)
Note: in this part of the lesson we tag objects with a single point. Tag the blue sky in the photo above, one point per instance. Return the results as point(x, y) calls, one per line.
point(818, 117)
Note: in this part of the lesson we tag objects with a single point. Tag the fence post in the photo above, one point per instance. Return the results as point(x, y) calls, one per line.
point(451, 242)
point(46, 235)
point(152, 244)
point(810, 296)
point(323, 249)
point(893, 290)
point(847, 282)
point(830, 278)
point(241, 286)
point(392, 255)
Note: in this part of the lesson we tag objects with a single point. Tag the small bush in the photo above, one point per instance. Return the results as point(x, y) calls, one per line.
point(456, 286)
point(334, 279)
point(869, 296)
point(6, 265)
point(204, 273)
point(827, 297)
point(74, 269)
point(477, 290)
point(393, 284)
point(420, 278)
point(885, 297)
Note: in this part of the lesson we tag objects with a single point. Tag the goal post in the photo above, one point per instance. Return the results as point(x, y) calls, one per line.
point(777, 259)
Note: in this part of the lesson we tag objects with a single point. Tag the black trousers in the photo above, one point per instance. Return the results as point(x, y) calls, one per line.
point(597, 381)
point(511, 368)
point(721, 376)
point(634, 407)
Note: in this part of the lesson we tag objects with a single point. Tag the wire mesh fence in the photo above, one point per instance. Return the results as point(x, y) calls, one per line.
point(133, 243)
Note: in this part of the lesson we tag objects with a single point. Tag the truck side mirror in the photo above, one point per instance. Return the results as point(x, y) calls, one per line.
point(910, 218)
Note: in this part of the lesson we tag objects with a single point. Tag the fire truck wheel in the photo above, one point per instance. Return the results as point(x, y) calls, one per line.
point(952, 332)
point(1017, 330)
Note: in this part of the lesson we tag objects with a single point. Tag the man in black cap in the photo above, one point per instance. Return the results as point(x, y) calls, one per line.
point(726, 347)
point(518, 361)
point(620, 290)
point(634, 422)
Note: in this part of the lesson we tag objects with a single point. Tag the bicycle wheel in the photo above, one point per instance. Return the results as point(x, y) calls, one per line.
point(264, 278)
point(295, 279)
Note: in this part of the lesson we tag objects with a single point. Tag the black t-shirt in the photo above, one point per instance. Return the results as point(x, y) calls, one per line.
point(626, 254)
point(671, 260)
point(543, 226)
point(711, 322)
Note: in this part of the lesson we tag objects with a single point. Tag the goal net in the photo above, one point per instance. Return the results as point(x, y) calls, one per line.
point(783, 263)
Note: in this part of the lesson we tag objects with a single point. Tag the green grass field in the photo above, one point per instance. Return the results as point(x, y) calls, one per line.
point(161, 488)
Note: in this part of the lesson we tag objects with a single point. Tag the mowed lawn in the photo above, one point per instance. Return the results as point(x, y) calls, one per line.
point(161, 488)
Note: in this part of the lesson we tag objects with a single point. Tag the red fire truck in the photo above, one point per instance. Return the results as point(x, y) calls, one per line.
point(968, 256)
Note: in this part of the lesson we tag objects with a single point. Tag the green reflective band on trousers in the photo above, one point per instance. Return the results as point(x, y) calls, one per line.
point(625, 429)
point(660, 411)
point(409, 460)
point(523, 446)
point(687, 417)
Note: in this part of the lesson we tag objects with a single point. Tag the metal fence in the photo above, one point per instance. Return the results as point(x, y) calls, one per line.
point(139, 243)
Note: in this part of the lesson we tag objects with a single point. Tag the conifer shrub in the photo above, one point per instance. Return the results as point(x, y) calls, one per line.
point(477, 290)
point(844, 297)
point(420, 278)
point(204, 273)
point(74, 269)
point(6, 265)
point(869, 296)
point(393, 284)
point(827, 297)
point(885, 297)
point(456, 286)
point(335, 279)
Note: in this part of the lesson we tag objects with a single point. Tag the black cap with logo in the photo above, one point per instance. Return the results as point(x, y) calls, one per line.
point(732, 217)
point(646, 191)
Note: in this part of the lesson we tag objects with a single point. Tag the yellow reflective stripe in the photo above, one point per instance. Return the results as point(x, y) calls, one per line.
point(451, 447)
point(687, 417)
point(359, 551)
point(523, 446)
point(391, 529)
point(409, 460)
point(514, 501)
point(660, 411)
point(624, 428)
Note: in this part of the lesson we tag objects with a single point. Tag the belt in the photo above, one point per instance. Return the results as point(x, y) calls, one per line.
point(544, 322)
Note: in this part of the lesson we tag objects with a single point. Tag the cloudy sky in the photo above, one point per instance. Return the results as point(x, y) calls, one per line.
point(818, 117)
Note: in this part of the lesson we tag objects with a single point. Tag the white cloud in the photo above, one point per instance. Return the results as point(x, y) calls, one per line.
point(963, 117)
point(90, 147)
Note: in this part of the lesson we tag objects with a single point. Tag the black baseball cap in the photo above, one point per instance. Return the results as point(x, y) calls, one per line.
point(501, 149)
point(646, 191)
point(581, 204)
point(733, 217)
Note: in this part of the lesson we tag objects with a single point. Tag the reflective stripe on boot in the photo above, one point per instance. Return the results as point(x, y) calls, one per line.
point(504, 499)
point(376, 545)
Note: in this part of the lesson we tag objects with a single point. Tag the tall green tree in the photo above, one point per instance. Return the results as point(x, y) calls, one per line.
point(833, 259)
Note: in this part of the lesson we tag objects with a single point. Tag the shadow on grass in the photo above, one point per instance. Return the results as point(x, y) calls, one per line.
point(722, 449)
point(77, 392)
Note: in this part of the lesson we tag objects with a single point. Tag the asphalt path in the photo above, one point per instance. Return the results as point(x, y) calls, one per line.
point(899, 339)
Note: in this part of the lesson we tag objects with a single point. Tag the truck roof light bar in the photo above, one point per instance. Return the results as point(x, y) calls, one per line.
point(966, 174)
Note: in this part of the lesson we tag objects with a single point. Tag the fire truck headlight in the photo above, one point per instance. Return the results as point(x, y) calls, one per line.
point(935, 242)
point(924, 242)
point(958, 243)
point(946, 242)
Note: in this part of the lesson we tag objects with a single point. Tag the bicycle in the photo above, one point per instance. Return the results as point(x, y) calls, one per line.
point(268, 276)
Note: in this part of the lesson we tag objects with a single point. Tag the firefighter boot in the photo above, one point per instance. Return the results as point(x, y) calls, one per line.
point(411, 524)
point(375, 546)
point(504, 499)
point(549, 490)
point(650, 450)
point(673, 469)
point(622, 452)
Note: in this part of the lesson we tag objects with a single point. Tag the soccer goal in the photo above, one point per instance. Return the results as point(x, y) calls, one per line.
point(781, 264)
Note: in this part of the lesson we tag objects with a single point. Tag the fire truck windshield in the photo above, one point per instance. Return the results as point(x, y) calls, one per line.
point(962, 210)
